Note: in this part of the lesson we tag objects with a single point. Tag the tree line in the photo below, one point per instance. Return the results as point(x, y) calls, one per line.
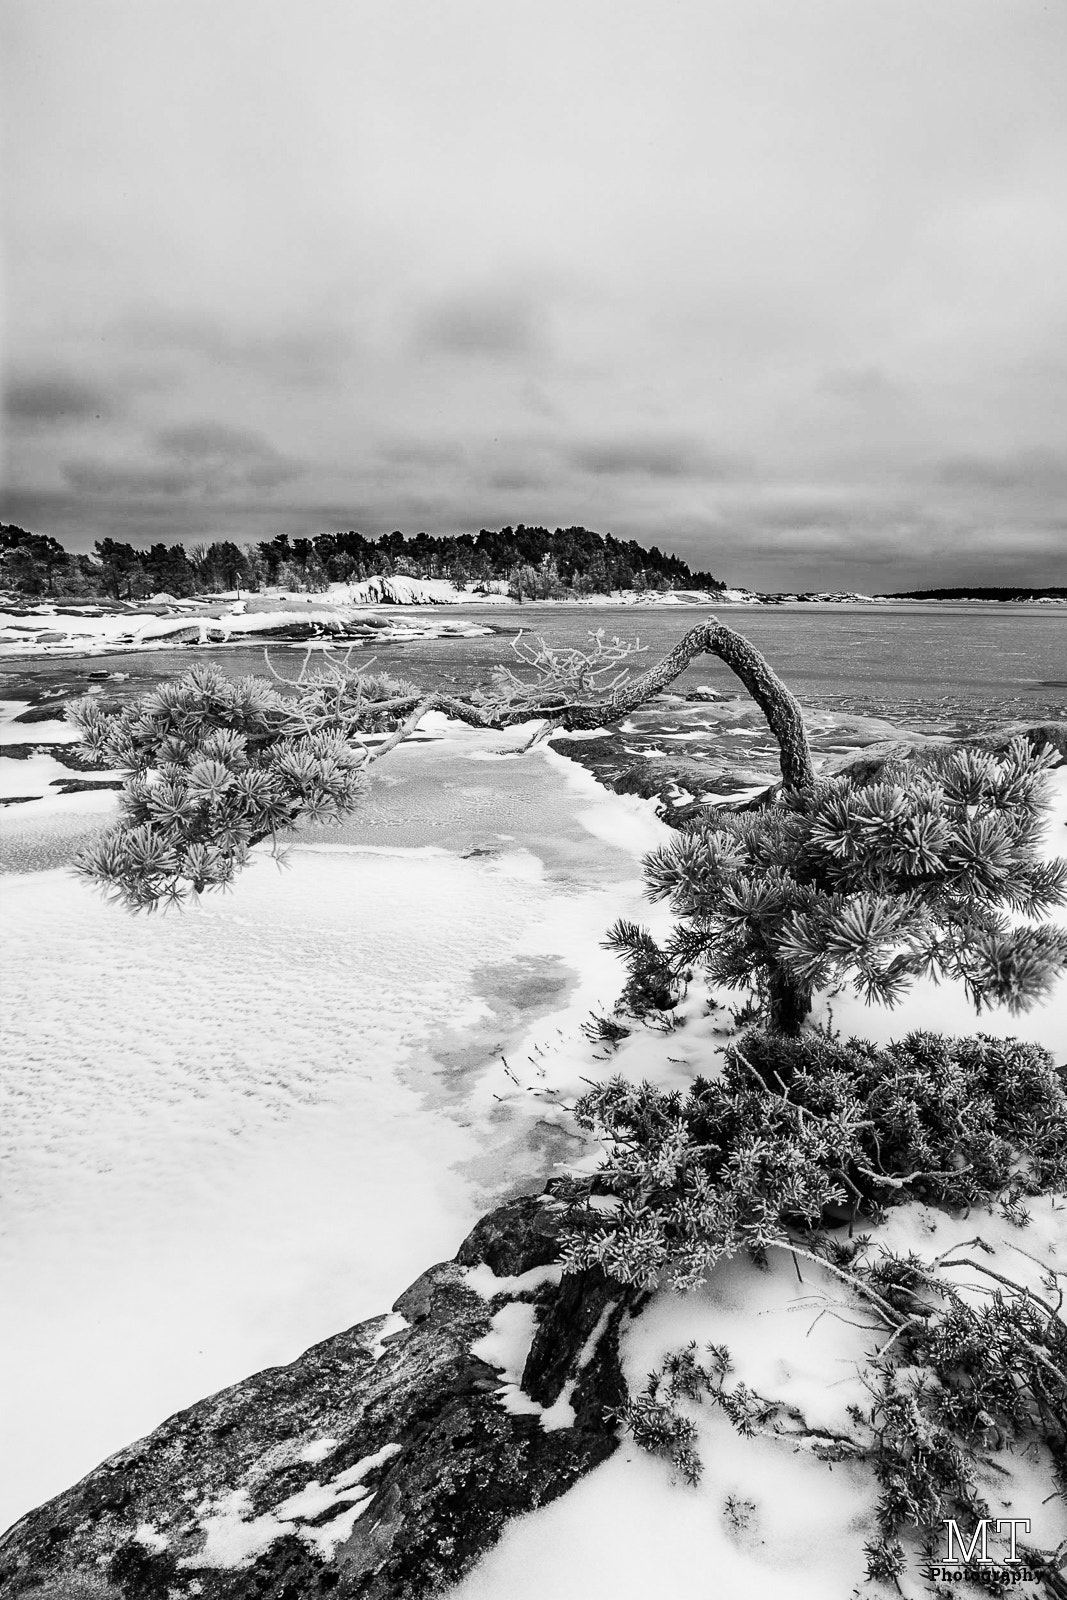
point(1049, 592)
point(534, 562)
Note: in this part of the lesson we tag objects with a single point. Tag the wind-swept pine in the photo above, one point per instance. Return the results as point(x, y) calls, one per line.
point(217, 766)
point(916, 875)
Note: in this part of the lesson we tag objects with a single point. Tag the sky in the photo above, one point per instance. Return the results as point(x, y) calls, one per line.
point(779, 285)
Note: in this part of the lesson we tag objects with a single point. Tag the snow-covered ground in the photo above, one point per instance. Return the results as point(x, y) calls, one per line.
point(232, 1132)
point(57, 633)
point(769, 1518)
point(238, 1130)
point(50, 630)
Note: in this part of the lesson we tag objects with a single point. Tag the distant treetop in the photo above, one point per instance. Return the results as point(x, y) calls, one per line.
point(534, 562)
point(1048, 592)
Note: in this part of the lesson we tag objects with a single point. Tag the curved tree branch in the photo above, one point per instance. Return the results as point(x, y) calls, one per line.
point(779, 706)
point(235, 764)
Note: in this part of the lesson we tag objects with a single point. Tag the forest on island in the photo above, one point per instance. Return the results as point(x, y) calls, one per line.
point(535, 564)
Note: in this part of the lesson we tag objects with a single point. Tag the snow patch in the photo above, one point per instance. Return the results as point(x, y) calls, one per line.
point(318, 1450)
point(392, 1324)
point(507, 1348)
point(149, 1537)
point(484, 1281)
point(233, 1536)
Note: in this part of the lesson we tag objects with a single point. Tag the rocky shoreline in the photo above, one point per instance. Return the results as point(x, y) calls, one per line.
point(360, 613)
point(711, 748)
point(380, 1464)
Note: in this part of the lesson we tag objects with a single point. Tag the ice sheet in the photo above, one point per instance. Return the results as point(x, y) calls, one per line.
point(232, 1132)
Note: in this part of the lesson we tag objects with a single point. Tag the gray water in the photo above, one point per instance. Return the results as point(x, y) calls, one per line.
point(977, 661)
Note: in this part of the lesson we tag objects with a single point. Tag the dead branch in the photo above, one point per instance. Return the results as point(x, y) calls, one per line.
point(552, 701)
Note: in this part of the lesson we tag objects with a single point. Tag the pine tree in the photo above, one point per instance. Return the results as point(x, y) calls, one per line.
point(216, 767)
point(917, 874)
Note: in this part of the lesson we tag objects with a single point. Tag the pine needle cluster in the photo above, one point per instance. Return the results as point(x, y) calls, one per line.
point(967, 1375)
point(920, 874)
point(962, 1380)
point(798, 1133)
point(217, 766)
point(658, 1423)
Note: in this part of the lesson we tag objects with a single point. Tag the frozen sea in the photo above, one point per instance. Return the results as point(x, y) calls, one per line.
point(231, 1132)
point(991, 659)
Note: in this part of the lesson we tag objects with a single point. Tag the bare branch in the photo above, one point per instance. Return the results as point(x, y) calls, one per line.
point(781, 709)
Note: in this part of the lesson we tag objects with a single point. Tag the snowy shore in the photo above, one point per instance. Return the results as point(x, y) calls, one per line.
point(231, 1132)
point(238, 1130)
point(371, 611)
point(377, 609)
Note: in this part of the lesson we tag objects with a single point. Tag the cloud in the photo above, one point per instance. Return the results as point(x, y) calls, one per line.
point(53, 400)
point(517, 479)
point(102, 479)
point(217, 449)
point(701, 285)
point(651, 456)
point(859, 386)
point(421, 453)
point(307, 353)
point(1042, 472)
point(205, 460)
point(493, 324)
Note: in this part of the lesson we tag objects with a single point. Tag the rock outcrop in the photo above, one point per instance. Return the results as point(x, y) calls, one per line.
point(379, 1464)
point(710, 748)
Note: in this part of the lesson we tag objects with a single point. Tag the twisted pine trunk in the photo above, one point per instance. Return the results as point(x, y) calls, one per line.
point(779, 706)
point(788, 1002)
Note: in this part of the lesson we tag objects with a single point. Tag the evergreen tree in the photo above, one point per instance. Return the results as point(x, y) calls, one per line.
point(122, 572)
point(30, 562)
point(524, 583)
point(581, 561)
point(917, 874)
point(215, 766)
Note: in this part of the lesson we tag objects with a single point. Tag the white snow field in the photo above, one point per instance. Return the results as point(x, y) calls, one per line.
point(241, 1129)
point(231, 1132)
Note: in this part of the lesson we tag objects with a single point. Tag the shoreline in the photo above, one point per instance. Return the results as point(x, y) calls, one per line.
point(292, 1228)
point(391, 613)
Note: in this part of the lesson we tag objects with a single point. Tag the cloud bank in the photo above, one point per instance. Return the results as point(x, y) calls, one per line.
point(781, 288)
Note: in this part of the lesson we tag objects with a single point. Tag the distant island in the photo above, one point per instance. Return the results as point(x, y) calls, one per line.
point(532, 563)
point(1048, 592)
point(520, 563)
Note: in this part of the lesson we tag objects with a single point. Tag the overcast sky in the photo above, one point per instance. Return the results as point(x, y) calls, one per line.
point(778, 284)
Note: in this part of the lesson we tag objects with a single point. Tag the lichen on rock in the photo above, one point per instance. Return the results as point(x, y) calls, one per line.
point(381, 1463)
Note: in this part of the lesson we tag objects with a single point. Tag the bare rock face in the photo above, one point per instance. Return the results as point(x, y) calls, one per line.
point(869, 765)
point(381, 1463)
point(714, 749)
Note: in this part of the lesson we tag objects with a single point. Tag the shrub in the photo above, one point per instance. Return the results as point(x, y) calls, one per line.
point(657, 1425)
point(798, 1132)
